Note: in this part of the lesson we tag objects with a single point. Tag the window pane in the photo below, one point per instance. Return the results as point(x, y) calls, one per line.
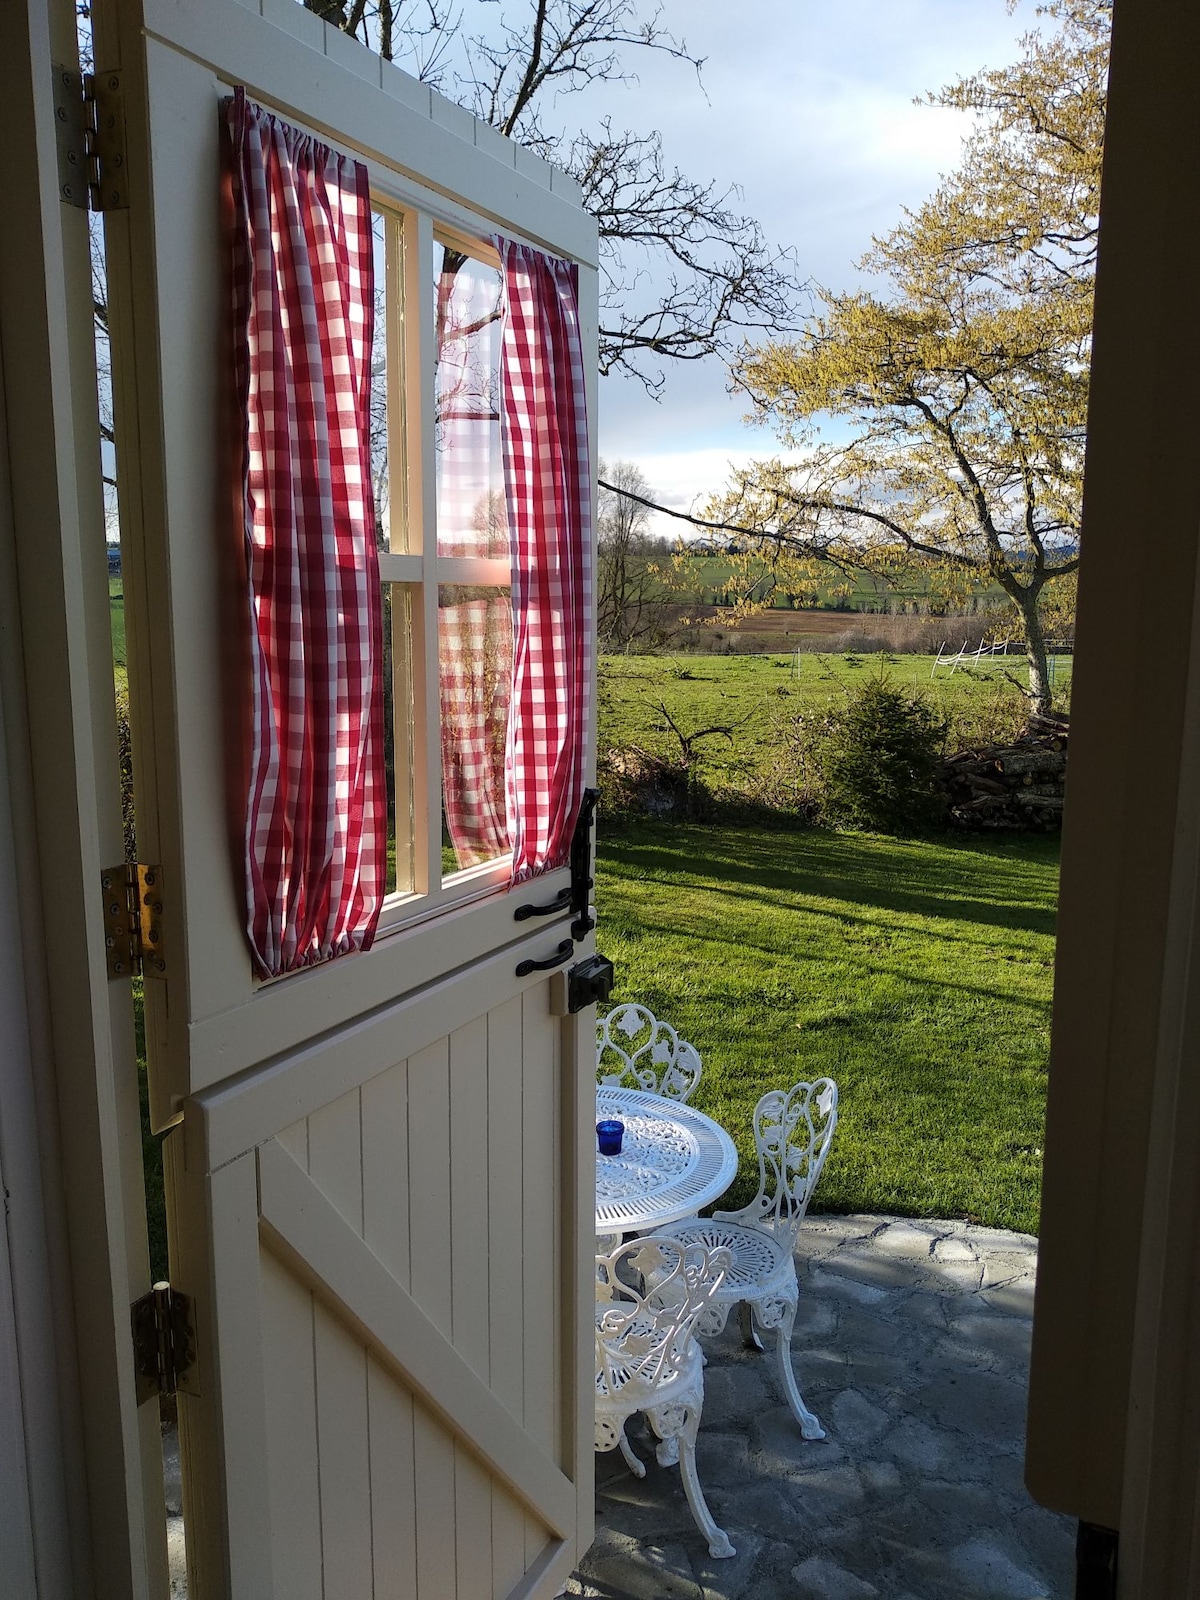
point(470, 470)
point(399, 600)
point(388, 443)
point(379, 383)
point(475, 662)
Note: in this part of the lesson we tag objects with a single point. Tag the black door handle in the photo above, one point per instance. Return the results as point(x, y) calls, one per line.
point(564, 952)
point(560, 903)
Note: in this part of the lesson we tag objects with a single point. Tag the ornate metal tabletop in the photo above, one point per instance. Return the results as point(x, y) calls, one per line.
point(673, 1160)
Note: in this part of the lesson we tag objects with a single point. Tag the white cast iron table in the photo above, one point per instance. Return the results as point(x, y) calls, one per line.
point(673, 1160)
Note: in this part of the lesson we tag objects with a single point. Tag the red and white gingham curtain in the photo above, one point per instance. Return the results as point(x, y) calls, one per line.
point(547, 476)
point(474, 635)
point(316, 844)
point(475, 653)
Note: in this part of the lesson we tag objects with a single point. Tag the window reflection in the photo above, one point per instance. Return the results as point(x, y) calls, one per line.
point(470, 472)
point(475, 641)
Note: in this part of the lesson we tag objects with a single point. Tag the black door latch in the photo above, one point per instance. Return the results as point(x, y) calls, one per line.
point(581, 865)
point(590, 981)
point(575, 895)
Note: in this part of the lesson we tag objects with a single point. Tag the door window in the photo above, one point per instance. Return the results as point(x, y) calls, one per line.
point(444, 562)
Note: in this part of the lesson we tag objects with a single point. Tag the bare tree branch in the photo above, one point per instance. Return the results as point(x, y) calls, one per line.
point(684, 273)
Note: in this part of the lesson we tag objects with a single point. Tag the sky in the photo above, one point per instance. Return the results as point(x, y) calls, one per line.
point(807, 106)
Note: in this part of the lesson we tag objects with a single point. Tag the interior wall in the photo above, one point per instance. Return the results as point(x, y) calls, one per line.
point(1126, 907)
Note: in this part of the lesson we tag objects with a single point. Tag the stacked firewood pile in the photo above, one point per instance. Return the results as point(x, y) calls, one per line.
point(1017, 785)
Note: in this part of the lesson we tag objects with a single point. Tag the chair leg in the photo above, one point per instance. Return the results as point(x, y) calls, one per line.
point(636, 1466)
point(779, 1316)
point(719, 1546)
point(749, 1332)
point(678, 1425)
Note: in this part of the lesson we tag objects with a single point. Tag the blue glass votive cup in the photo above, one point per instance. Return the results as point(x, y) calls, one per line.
point(609, 1134)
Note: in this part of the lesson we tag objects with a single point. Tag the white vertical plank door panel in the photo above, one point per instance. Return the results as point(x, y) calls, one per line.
point(539, 1201)
point(292, 1441)
point(335, 1155)
point(344, 1453)
point(429, 1183)
point(470, 1276)
point(393, 1486)
point(506, 1255)
point(386, 1134)
point(437, 1546)
point(470, 1288)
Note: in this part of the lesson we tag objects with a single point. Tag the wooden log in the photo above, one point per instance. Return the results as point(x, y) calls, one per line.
point(1018, 762)
point(973, 767)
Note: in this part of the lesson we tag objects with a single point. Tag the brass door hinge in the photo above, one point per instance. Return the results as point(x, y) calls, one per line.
point(89, 116)
point(133, 920)
point(164, 1343)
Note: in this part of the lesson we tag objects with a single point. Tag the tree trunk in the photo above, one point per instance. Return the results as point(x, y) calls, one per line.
point(1035, 649)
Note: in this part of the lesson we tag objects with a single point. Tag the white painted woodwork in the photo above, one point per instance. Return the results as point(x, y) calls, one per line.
point(377, 1171)
point(88, 1487)
point(399, 1254)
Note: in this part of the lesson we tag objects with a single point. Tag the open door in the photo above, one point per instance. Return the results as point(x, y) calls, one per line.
point(379, 1168)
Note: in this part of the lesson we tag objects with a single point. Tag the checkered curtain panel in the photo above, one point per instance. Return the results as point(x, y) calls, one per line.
point(475, 648)
point(303, 275)
point(474, 631)
point(547, 477)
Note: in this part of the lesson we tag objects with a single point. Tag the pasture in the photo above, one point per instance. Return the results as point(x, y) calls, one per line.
point(757, 696)
point(711, 575)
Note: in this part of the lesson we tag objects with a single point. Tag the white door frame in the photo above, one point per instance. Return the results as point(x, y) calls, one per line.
point(77, 1231)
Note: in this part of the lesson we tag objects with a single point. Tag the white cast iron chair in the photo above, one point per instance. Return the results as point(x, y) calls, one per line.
point(634, 1050)
point(792, 1130)
point(648, 1360)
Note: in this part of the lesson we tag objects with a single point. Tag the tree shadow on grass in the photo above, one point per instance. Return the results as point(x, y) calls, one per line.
point(965, 879)
point(900, 971)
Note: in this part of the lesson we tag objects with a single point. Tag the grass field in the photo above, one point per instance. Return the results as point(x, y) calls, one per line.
point(116, 611)
point(916, 974)
point(758, 695)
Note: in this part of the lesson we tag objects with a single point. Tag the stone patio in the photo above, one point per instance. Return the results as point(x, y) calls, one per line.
point(912, 1346)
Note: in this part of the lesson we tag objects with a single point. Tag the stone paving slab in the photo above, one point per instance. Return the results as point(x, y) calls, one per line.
point(912, 1346)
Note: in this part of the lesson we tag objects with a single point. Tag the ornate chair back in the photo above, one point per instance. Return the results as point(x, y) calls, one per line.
point(792, 1133)
point(634, 1050)
point(640, 1342)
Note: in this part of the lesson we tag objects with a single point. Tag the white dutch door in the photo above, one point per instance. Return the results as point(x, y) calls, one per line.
point(379, 1165)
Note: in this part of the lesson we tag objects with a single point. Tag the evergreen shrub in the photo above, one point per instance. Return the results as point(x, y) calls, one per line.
point(874, 761)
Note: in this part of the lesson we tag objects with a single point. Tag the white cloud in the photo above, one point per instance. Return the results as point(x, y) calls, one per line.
point(683, 479)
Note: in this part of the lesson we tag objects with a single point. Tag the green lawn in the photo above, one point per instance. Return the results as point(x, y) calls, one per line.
point(116, 610)
point(915, 973)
